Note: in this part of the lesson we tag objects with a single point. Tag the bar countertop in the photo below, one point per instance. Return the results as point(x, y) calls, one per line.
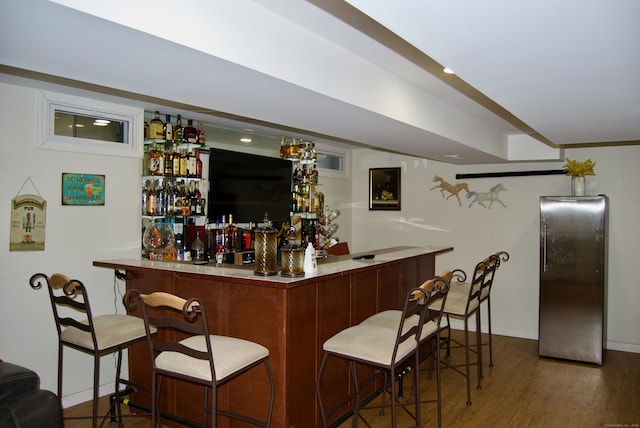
point(327, 267)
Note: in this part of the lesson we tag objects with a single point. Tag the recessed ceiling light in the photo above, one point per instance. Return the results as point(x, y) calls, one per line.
point(453, 156)
point(448, 70)
point(246, 140)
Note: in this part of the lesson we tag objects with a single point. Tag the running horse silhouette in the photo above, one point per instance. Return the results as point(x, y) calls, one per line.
point(491, 196)
point(453, 189)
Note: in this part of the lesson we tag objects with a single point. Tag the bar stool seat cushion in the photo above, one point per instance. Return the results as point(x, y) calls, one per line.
point(456, 303)
point(369, 343)
point(391, 319)
point(229, 353)
point(111, 330)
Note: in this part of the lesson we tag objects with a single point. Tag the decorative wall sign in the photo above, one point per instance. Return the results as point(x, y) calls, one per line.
point(28, 221)
point(384, 189)
point(82, 189)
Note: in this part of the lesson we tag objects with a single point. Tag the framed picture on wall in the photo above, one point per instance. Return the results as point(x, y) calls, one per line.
point(384, 189)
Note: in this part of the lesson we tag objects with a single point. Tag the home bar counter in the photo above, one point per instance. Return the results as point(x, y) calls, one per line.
point(292, 317)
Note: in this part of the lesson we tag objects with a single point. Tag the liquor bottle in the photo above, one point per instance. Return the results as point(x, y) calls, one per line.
point(177, 200)
point(156, 127)
point(145, 196)
point(154, 161)
point(298, 174)
point(197, 249)
point(145, 134)
point(168, 160)
point(161, 200)
point(152, 204)
point(202, 138)
point(191, 165)
point(231, 235)
point(171, 198)
point(168, 128)
point(193, 202)
point(196, 207)
point(178, 131)
point(183, 163)
point(145, 160)
point(190, 133)
point(186, 204)
point(314, 174)
point(198, 165)
point(175, 161)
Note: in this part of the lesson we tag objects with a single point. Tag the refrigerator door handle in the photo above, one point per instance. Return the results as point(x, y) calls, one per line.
point(544, 249)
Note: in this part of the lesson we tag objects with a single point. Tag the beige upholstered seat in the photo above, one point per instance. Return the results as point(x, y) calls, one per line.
point(79, 329)
point(110, 331)
point(229, 354)
point(202, 358)
point(386, 342)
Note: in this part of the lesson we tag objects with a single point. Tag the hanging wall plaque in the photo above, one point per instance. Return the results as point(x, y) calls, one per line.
point(28, 221)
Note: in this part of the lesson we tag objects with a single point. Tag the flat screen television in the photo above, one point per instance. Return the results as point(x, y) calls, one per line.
point(246, 185)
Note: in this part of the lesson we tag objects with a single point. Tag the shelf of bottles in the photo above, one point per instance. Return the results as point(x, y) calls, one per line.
point(174, 184)
point(307, 206)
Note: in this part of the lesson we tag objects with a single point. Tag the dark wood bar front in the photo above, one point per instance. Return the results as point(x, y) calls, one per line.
point(292, 317)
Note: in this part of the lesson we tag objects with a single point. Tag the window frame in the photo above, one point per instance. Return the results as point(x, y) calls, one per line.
point(49, 102)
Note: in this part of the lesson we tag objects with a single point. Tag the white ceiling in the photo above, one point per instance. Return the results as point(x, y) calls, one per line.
point(530, 77)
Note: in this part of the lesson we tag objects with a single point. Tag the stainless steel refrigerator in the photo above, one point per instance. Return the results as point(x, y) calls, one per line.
point(573, 277)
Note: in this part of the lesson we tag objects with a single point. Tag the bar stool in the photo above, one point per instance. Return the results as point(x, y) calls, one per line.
point(201, 358)
point(380, 345)
point(485, 295)
point(463, 302)
point(80, 330)
point(437, 289)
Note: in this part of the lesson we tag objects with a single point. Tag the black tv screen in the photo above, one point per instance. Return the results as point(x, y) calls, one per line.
point(247, 185)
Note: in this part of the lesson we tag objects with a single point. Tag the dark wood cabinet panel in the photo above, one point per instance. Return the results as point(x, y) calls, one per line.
point(292, 319)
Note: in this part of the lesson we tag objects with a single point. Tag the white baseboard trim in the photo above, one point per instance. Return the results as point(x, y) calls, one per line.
point(614, 346)
point(86, 395)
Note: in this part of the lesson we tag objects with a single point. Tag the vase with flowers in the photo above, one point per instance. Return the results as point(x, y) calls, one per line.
point(578, 171)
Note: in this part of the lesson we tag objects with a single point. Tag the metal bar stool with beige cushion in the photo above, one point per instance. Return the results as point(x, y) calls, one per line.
point(95, 335)
point(463, 302)
point(485, 295)
point(383, 347)
point(437, 289)
point(201, 358)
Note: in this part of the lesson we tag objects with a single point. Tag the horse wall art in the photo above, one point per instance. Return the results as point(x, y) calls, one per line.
point(491, 196)
point(452, 189)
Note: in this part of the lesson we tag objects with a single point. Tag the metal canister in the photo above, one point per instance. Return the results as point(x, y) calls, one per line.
point(292, 257)
point(266, 248)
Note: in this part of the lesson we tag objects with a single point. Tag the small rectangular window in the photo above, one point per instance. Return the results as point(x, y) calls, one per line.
point(75, 124)
point(333, 161)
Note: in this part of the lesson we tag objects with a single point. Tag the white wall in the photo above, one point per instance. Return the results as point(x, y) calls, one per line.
point(75, 237)
point(475, 232)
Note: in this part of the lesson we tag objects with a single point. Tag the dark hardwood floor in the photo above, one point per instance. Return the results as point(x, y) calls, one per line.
point(521, 390)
